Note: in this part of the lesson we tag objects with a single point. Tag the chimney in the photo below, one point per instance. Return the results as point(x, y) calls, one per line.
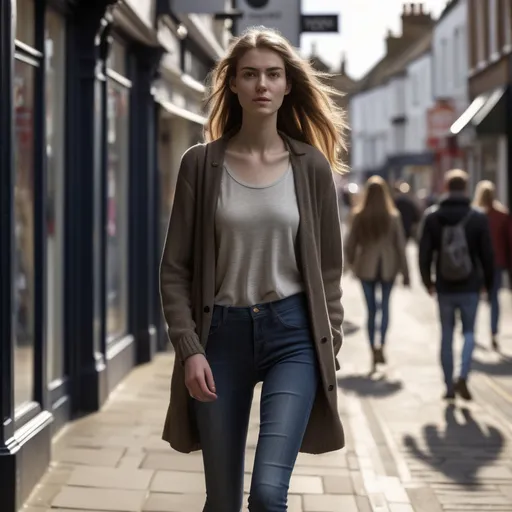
point(394, 44)
point(415, 21)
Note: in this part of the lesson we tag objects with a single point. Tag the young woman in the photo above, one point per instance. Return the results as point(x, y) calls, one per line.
point(250, 275)
point(485, 198)
point(376, 252)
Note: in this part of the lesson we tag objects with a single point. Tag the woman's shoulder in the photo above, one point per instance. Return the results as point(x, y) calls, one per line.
point(192, 154)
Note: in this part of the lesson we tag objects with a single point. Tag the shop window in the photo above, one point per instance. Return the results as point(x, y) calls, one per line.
point(24, 232)
point(25, 14)
point(55, 143)
point(117, 194)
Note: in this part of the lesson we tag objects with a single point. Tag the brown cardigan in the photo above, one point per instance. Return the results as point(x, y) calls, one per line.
point(187, 281)
point(363, 255)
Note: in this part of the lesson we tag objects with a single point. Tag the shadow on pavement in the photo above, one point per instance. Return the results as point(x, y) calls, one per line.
point(501, 367)
point(461, 450)
point(350, 328)
point(369, 385)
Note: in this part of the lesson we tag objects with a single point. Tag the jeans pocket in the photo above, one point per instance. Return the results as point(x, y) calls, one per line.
point(293, 318)
point(217, 322)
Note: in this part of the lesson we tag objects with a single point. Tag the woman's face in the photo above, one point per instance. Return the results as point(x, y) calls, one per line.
point(260, 82)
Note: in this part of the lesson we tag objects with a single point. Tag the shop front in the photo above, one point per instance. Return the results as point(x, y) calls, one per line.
point(487, 122)
point(79, 260)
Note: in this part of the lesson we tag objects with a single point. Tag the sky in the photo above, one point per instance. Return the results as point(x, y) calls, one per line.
point(363, 26)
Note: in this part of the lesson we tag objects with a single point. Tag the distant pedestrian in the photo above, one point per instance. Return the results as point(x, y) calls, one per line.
point(409, 210)
point(499, 222)
point(375, 250)
point(250, 275)
point(457, 239)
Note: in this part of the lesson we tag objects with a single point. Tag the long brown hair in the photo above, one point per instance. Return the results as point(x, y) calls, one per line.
point(308, 112)
point(485, 197)
point(374, 210)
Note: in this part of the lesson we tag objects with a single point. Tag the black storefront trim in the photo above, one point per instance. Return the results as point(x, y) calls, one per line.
point(143, 65)
point(25, 432)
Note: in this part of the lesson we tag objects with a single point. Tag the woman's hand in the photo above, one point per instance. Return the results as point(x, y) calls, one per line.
point(199, 378)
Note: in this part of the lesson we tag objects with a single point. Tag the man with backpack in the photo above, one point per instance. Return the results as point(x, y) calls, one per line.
point(457, 238)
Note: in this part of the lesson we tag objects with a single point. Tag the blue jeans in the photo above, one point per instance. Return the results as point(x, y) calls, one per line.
point(494, 300)
point(467, 305)
point(370, 294)
point(270, 343)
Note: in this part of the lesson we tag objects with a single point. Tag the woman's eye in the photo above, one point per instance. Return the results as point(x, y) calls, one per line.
point(249, 74)
point(275, 74)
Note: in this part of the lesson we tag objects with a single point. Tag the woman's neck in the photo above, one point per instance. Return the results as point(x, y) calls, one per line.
point(258, 136)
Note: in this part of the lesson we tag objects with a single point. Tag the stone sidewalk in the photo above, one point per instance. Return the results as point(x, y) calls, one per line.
point(406, 450)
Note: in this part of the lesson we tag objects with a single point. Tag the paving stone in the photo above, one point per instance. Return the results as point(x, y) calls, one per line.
point(378, 502)
point(178, 482)
point(173, 461)
point(495, 473)
point(320, 471)
point(131, 461)
point(109, 500)
point(57, 475)
point(363, 504)
point(400, 507)
point(111, 478)
point(338, 485)
point(93, 457)
point(168, 502)
point(358, 483)
point(334, 459)
point(43, 495)
point(329, 503)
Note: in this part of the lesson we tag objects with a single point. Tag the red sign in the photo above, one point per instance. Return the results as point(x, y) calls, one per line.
point(439, 119)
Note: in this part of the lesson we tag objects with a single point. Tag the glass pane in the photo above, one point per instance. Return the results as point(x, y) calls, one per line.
point(25, 27)
point(98, 223)
point(117, 222)
point(24, 232)
point(55, 94)
point(117, 58)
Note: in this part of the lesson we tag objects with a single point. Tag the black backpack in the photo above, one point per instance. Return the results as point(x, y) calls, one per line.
point(454, 259)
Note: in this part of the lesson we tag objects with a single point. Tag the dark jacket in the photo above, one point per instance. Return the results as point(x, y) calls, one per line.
point(409, 212)
point(450, 211)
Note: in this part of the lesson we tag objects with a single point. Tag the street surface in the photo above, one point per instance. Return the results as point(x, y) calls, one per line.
point(407, 450)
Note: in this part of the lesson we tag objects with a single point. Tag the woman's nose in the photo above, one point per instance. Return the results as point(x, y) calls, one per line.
point(262, 83)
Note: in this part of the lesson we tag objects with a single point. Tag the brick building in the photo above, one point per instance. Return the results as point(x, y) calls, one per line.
point(488, 119)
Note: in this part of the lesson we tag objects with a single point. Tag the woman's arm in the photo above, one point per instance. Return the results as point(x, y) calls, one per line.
point(177, 261)
point(331, 251)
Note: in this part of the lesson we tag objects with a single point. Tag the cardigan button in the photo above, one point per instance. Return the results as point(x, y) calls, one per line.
point(206, 309)
point(331, 387)
point(215, 164)
point(324, 340)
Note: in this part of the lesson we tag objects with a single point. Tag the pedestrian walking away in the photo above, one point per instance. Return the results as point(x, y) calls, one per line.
point(409, 210)
point(250, 274)
point(456, 238)
point(375, 251)
point(499, 223)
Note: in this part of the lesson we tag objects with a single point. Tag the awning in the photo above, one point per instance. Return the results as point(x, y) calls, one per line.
point(182, 112)
point(487, 114)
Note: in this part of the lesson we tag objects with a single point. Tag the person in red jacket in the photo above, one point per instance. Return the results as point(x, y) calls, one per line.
point(499, 221)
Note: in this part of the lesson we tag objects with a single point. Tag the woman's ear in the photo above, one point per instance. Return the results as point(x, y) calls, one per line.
point(232, 84)
point(288, 87)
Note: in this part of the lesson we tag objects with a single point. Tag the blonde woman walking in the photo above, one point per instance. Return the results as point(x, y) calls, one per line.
point(499, 223)
point(376, 253)
point(250, 275)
